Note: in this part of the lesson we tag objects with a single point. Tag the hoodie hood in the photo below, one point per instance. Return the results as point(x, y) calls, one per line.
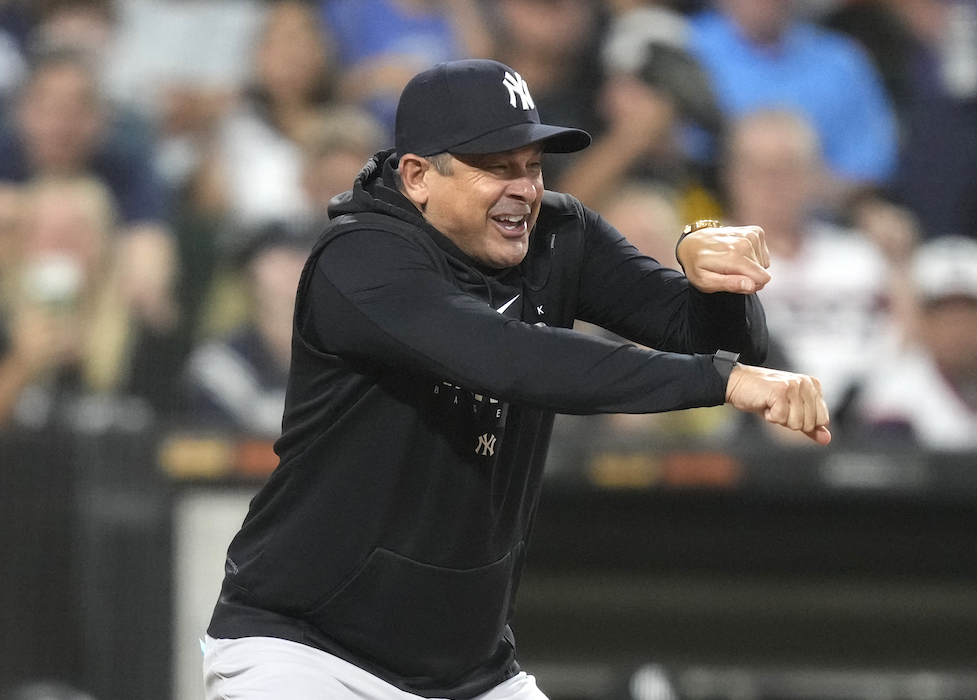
point(375, 190)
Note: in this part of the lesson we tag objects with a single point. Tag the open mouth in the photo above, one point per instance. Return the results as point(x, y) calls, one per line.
point(511, 223)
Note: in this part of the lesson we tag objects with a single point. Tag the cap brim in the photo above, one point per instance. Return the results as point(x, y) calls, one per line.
point(555, 139)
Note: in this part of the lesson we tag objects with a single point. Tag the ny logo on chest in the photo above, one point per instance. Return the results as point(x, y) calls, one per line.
point(474, 419)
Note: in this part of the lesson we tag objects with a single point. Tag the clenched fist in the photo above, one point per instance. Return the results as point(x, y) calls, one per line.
point(725, 259)
point(783, 398)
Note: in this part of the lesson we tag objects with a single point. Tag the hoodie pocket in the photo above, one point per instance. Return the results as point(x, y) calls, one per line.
point(419, 620)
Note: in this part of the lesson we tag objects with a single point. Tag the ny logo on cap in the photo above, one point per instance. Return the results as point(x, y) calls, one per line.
point(517, 86)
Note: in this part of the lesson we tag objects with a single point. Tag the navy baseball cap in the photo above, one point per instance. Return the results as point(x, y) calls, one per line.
point(475, 106)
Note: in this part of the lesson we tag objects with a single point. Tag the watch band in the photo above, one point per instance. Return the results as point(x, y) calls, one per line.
point(701, 223)
point(724, 361)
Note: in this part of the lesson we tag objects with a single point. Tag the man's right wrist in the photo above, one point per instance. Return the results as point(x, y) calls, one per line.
point(692, 228)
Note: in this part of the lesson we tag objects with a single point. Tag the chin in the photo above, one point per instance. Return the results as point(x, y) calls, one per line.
point(506, 259)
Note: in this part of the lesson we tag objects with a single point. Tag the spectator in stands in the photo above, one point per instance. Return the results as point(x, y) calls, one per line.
point(254, 172)
point(555, 46)
point(237, 383)
point(937, 173)
point(760, 54)
point(61, 126)
point(70, 330)
point(336, 147)
point(648, 216)
point(179, 65)
point(927, 395)
point(877, 26)
point(927, 49)
point(86, 30)
point(653, 91)
point(381, 44)
point(830, 302)
point(172, 71)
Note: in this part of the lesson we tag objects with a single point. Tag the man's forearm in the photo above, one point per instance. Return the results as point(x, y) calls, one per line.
point(734, 322)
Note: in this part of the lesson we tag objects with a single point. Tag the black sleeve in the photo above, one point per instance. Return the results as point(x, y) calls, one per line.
point(635, 297)
point(377, 298)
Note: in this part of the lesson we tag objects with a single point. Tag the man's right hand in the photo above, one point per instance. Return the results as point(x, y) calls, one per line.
point(782, 398)
point(725, 259)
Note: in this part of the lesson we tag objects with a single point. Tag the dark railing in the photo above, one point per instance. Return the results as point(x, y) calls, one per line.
point(85, 563)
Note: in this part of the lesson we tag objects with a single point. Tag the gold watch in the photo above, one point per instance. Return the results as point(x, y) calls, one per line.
point(701, 223)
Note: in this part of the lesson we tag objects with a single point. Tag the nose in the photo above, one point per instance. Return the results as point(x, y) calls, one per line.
point(523, 188)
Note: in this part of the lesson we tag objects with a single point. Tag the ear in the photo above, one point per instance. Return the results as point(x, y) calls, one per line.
point(413, 175)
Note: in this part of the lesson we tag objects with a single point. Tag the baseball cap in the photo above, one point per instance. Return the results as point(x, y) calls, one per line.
point(474, 106)
point(946, 267)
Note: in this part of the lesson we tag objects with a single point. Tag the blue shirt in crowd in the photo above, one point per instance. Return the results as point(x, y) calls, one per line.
point(364, 29)
point(823, 74)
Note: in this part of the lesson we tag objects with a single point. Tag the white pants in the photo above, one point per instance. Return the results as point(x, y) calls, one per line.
point(264, 668)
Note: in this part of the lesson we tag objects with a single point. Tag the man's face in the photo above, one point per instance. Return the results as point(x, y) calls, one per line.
point(949, 330)
point(291, 58)
point(488, 204)
point(771, 176)
point(61, 120)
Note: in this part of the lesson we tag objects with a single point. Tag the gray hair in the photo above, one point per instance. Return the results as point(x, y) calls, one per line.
point(441, 163)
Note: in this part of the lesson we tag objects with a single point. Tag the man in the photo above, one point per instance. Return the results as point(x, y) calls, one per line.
point(763, 54)
point(61, 126)
point(431, 347)
point(926, 395)
point(830, 303)
point(237, 382)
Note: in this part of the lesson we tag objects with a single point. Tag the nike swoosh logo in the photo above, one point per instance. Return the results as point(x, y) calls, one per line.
point(506, 305)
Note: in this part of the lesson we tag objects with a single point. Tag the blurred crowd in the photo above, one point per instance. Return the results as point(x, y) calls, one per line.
point(165, 166)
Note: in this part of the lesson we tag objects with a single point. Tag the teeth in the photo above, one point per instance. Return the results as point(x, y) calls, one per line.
point(511, 219)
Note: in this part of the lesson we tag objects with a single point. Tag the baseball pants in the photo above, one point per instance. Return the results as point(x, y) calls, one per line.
point(264, 668)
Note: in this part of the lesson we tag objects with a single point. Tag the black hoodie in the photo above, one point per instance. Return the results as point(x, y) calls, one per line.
point(420, 403)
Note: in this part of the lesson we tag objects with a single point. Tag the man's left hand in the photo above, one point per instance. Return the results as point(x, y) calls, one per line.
point(725, 259)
